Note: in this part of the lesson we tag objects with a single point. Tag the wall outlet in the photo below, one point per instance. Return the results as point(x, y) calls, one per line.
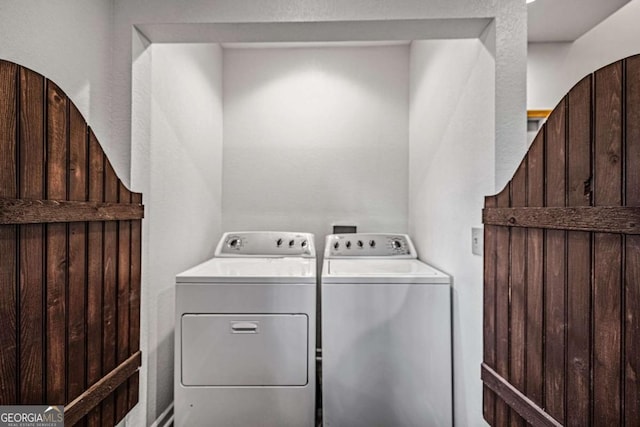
point(477, 240)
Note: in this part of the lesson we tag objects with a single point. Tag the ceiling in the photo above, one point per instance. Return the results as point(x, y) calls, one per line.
point(566, 20)
point(548, 21)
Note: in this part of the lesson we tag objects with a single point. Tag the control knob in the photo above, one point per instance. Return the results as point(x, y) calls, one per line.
point(234, 243)
point(360, 244)
point(336, 245)
point(304, 244)
point(372, 243)
point(348, 244)
point(396, 244)
point(291, 243)
point(279, 242)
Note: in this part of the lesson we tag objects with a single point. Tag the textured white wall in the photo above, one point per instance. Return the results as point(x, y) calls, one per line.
point(553, 68)
point(451, 155)
point(316, 136)
point(507, 41)
point(509, 29)
point(69, 42)
point(184, 199)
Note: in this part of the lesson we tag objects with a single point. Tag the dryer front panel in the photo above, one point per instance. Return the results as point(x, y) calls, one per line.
point(244, 349)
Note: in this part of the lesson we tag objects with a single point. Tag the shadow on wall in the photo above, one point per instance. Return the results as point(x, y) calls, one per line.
point(160, 359)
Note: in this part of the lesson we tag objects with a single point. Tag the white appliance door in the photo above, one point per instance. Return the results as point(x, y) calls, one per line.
point(244, 350)
point(386, 355)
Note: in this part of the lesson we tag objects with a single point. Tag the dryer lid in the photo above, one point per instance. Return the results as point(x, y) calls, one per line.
point(251, 270)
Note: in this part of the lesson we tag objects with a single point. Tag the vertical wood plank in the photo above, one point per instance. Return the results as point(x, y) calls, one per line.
point(8, 234)
point(607, 257)
point(76, 333)
point(133, 386)
point(134, 298)
point(56, 246)
point(94, 275)
point(579, 257)
point(555, 267)
point(489, 319)
point(502, 306)
point(632, 267)
point(518, 287)
point(32, 179)
point(632, 330)
point(534, 273)
point(109, 296)
point(124, 258)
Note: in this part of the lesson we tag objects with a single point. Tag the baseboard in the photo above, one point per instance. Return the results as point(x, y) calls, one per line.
point(165, 419)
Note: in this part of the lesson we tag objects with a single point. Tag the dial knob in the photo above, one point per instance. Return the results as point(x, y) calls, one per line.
point(279, 242)
point(336, 245)
point(360, 244)
point(372, 243)
point(348, 244)
point(396, 244)
point(304, 244)
point(234, 243)
point(291, 243)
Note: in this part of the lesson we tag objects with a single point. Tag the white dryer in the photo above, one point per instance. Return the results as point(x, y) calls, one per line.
point(386, 335)
point(245, 334)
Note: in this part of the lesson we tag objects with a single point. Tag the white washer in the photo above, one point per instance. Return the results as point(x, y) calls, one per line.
point(386, 335)
point(245, 334)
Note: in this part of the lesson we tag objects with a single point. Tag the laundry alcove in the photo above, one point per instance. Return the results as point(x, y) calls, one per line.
point(236, 142)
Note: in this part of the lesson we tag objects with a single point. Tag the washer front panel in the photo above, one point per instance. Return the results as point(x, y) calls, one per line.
point(386, 355)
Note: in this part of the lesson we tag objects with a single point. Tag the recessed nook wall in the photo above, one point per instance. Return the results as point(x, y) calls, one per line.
point(185, 173)
point(315, 136)
point(451, 160)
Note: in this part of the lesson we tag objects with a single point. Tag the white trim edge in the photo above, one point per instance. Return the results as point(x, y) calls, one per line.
point(165, 419)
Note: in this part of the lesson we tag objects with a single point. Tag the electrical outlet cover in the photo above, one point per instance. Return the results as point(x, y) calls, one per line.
point(477, 240)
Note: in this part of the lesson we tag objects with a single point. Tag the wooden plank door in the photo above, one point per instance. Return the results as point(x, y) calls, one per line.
point(70, 244)
point(562, 266)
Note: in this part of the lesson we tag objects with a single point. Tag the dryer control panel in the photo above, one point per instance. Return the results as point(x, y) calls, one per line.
point(266, 244)
point(369, 245)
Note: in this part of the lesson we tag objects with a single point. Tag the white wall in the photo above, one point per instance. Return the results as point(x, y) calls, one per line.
point(69, 42)
point(183, 203)
point(314, 137)
point(553, 68)
point(509, 28)
point(451, 169)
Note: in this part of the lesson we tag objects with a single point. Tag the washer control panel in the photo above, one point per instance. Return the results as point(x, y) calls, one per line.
point(266, 244)
point(369, 245)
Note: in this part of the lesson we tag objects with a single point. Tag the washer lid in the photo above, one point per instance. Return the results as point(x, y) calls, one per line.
point(381, 271)
point(251, 270)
